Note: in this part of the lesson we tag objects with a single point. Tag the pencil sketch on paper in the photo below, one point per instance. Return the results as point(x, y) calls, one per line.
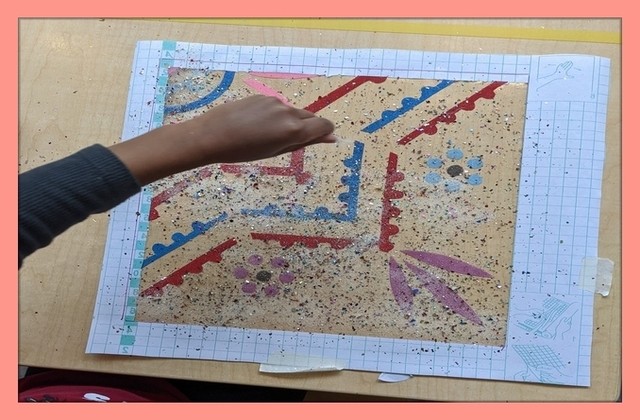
point(403, 229)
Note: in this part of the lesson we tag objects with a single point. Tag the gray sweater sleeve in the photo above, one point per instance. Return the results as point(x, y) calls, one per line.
point(57, 195)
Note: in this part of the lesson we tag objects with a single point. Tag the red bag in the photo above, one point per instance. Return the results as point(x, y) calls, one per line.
point(73, 386)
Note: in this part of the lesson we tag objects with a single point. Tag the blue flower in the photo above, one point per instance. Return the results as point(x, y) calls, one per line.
point(451, 173)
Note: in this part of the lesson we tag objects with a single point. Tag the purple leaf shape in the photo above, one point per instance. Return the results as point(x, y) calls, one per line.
point(448, 263)
point(399, 286)
point(445, 295)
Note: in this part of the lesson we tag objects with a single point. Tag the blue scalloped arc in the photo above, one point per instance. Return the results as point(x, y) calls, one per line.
point(407, 105)
point(350, 198)
point(160, 250)
point(227, 79)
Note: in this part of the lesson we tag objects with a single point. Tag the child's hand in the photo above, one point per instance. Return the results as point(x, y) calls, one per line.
point(255, 128)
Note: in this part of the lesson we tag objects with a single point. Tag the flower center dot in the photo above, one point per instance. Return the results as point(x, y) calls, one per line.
point(263, 276)
point(454, 170)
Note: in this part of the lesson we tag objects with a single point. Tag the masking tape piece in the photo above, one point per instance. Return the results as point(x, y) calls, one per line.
point(596, 275)
point(393, 377)
point(293, 363)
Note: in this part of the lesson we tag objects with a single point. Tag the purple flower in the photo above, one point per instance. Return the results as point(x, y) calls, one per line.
point(259, 277)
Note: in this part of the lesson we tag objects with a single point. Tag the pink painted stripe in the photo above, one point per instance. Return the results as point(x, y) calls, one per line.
point(445, 295)
point(400, 288)
point(265, 90)
point(448, 263)
point(273, 75)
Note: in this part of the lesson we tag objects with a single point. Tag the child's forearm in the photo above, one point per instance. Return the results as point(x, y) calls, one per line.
point(158, 153)
point(253, 128)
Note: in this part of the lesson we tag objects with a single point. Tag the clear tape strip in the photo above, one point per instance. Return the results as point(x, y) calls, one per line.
point(596, 274)
point(293, 363)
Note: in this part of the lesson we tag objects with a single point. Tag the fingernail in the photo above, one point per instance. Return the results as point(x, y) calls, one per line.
point(341, 140)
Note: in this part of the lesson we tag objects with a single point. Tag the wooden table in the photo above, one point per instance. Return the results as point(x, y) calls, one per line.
point(74, 77)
